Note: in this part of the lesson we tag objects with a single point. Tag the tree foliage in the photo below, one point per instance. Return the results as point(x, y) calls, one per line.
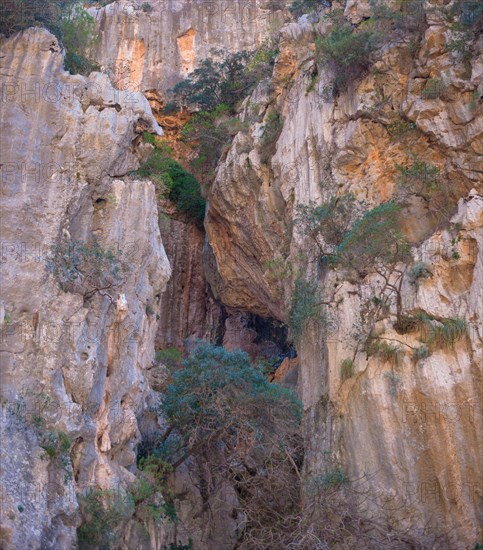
point(85, 267)
point(225, 82)
point(346, 52)
point(66, 19)
point(374, 240)
point(219, 400)
point(327, 224)
point(301, 7)
point(102, 511)
point(305, 306)
point(174, 182)
point(223, 413)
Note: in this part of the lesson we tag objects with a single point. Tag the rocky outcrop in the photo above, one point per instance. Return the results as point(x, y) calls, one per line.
point(394, 427)
point(188, 309)
point(155, 48)
point(73, 362)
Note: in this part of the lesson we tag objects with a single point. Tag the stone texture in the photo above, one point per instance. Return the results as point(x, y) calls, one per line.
point(188, 309)
point(379, 423)
point(70, 364)
point(156, 49)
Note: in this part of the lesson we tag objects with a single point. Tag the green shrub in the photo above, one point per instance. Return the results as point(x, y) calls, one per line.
point(446, 332)
point(55, 443)
point(466, 15)
point(300, 7)
point(77, 34)
point(218, 398)
point(421, 352)
point(419, 271)
point(375, 239)
point(386, 352)
point(346, 52)
point(85, 268)
point(153, 500)
point(67, 19)
point(305, 307)
point(149, 138)
point(214, 83)
point(433, 88)
point(394, 383)
point(400, 127)
point(18, 15)
point(334, 478)
point(347, 369)
point(327, 224)
point(173, 180)
point(146, 7)
point(225, 82)
point(420, 175)
point(212, 133)
point(102, 513)
point(272, 129)
point(171, 357)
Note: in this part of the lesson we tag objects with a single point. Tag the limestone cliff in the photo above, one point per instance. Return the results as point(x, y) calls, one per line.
point(73, 363)
point(79, 388)
point(155, 48)
point(398, 427)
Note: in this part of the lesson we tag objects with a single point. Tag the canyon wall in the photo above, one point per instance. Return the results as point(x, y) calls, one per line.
point(74, 363)
point(77, 366)
point(406, 429)
point(155, 48)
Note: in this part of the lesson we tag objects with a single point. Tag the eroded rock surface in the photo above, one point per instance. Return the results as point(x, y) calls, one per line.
point(155, 49)
point(398, 428)
point(73, 365)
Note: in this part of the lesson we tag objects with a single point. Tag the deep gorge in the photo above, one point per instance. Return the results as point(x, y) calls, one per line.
point(241, 261)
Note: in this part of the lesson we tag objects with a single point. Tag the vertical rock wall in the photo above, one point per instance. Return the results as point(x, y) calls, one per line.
point(73, 366)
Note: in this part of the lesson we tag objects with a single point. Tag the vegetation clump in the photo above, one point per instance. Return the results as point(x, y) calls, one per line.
point(225, 82)
point(103, 511)
point(85, 267)
point(306, 306)
point(347, 368)
point(301, 7)
point(222, 411)
point(387, 352)
point(174, 182)
point(272, 129)
point(419, 271)
point(374, 241)
point(446, 332)
point(420, 176)
point(217, 397)
point(346, 51)
point(66, 19)
point(327, 224)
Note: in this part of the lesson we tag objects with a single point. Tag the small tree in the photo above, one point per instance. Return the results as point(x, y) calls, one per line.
point(217, 400)
point(78, 33)
point(328, 223)
point(103, 511)
point(301, 7)
point(67, 19)
point(374, 241)
point(306, 306)
point(85, 268)
point(223, 412)
point(346, 52)
point(174, 182)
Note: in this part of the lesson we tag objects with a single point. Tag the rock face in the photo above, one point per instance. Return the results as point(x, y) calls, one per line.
point(155, 48)
point(397, 427)
point(77, 364)
point(188, 309)
point(73, 363)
